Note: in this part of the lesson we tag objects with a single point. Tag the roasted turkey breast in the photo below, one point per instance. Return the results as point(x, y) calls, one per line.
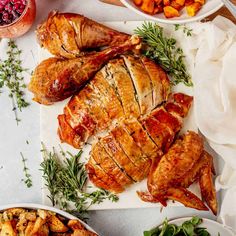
point(67, 34)
point(125, 155)
point(129, 86)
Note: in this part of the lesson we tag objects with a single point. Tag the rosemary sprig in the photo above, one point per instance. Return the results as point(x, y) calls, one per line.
point(66, 182)
point(11, 77)
point(27, 180)
point(186, 30)
point(164, 51)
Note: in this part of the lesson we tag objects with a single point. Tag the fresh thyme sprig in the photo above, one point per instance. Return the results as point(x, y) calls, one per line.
point(11, 77)
point(186, 30)
point(27, 180)
point(66, 182)
point(164, 51)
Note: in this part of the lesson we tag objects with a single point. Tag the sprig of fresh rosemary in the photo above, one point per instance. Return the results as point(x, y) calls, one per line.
point(11, 77)
point(186, 30)
point(164, 51)
point(27, 180)
point(66, 182)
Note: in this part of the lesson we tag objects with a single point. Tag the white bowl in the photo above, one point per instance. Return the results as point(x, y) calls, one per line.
point(209, 8)
point(52, 209)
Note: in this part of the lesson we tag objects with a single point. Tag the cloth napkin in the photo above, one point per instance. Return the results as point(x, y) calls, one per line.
point(212, 53)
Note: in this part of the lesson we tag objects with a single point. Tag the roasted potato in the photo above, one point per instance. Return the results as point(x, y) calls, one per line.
point(138, 2)
point(180, 2)
point(148, 6)
point(56, 225)
point(193, 8)
point(176, 6)
point(170, 12)
point(171, 8)
point(7, 229)
point(23, 222)
point(202, 2)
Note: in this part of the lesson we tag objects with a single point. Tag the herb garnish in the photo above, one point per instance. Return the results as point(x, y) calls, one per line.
point(185, 29)
point(11, 77)
point(188, 228)
point(164, 51)
point(66, 183)
point(28, 181)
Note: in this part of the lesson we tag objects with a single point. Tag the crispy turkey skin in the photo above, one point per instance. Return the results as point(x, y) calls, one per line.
point(68, 34)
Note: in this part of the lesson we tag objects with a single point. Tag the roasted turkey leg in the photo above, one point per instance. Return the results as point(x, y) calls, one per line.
point(55, 79)
point(67, 34)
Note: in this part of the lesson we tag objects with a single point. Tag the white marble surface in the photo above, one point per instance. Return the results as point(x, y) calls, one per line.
point(13, 138)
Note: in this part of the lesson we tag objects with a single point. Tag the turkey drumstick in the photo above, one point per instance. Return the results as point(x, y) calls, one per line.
point(67, 34)
point(55, 79)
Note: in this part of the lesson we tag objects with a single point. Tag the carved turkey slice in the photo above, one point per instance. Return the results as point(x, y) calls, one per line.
point(126, 153)
point(125, 87)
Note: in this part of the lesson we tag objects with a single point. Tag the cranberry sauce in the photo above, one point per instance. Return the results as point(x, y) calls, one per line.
point(10, 10)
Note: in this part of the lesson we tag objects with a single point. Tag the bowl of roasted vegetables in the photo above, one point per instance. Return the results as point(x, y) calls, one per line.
point(34, 219)
point(174, 11)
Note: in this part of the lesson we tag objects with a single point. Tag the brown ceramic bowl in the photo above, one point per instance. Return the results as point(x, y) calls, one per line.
point(22, 24)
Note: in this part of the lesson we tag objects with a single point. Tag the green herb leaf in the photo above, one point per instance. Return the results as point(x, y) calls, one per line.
point(27, 180)
point(67, 183)
point(164, 51)
point(11, 78)
point(184, 28)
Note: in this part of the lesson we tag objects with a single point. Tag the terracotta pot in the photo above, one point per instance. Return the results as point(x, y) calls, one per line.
point(22, 24)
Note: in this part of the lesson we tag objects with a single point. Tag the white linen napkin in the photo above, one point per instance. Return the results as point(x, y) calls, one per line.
point(213, 50)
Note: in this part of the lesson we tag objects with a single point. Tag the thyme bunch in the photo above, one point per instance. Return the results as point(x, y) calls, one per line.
point(186, 30)
point(164, 51)
point(11, 77)
point(67, 183)
point(27, 180)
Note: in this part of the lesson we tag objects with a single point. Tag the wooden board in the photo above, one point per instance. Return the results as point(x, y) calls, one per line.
point(223, 11)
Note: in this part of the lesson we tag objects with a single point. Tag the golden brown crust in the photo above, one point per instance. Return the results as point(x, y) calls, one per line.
point(103, 159)
point(159, 80)
point(206, 183)
point(108, 96)
point(159, 132)
point(133, 146)
point(180, 158)
point(67, 134)
point(115, 151)
point(119, 77)
point(67, 34)
point(183, 164)
point(132, 150)
point(56, 79)
point(142, 83)
point(141, 138)
point(100, 178)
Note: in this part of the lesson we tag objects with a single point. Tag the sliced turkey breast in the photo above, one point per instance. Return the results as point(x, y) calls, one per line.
point(133, 144)
point(124, 88)
point(142, 83)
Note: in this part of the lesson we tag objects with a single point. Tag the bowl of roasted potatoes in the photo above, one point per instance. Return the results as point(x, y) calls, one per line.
point(34, 219)
point(174, 11)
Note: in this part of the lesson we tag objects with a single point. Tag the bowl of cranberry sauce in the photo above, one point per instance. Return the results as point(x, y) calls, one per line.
point(16, 17)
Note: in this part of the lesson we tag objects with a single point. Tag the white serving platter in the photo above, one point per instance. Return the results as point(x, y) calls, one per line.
point(48, 129)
